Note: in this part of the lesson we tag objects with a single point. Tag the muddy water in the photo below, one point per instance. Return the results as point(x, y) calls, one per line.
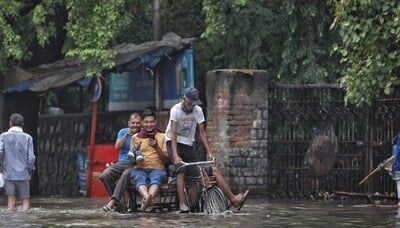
point(84, 212)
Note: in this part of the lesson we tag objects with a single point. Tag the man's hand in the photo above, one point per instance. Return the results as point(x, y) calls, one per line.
point(153, 143)
point(131, 131)
point(210, 157)
point(177, 160)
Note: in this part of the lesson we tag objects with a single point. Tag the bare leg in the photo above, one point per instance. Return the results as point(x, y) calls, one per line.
point(144, 192)
point(180, 182)
point(154, 189)
point(192, 192)
point(11, 201)
point(25, 204)
point(221, 183)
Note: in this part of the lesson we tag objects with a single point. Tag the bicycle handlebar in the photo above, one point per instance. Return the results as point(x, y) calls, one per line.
point(185, 164)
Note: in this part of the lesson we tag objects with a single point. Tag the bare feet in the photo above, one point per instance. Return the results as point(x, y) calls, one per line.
point(240, 199)
point(151, 197)
point(145, 203)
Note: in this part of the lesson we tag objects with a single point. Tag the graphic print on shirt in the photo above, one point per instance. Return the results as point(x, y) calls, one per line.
point(184, 126)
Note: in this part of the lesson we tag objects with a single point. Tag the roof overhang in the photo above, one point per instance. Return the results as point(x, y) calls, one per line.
point(71, 70)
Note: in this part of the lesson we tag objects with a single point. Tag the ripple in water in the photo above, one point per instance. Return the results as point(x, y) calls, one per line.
point(85, 212)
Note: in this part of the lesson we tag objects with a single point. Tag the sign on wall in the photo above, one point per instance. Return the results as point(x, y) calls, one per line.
point(131, 90)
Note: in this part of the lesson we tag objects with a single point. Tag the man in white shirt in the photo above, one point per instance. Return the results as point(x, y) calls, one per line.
point(18, 161)
point(185, 117)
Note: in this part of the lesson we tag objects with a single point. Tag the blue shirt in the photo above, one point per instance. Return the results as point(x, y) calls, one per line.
point(16, 153)
point(123, 157)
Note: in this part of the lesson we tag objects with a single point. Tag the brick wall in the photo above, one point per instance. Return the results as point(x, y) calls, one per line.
point(237, 116)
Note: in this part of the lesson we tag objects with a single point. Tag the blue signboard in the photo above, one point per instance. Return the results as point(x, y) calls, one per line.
point(131, 90)
point(134, 90)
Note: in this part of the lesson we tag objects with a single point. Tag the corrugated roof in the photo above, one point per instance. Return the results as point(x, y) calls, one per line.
point(128, 56)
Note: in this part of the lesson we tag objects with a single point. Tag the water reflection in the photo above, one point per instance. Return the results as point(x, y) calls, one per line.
point(83, 212)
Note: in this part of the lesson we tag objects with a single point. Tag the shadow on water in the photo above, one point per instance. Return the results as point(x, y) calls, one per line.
point(84, 212)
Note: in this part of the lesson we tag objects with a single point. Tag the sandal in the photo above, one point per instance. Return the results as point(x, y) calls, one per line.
point(246, 193)
point(184, 209)
point(108, 208)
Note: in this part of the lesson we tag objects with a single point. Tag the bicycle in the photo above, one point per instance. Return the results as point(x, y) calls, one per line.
point(209, 198)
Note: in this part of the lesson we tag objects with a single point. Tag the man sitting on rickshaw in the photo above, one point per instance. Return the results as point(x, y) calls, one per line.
point(122, 169)
point(150, 173)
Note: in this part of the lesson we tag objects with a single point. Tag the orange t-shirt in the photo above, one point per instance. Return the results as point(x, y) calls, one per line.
point(151, 158)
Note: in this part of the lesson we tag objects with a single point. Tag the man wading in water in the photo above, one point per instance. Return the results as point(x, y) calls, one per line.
point(18, 160)
point(185, 117)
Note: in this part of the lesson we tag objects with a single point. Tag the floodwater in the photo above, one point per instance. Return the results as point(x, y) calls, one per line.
point(85, 212)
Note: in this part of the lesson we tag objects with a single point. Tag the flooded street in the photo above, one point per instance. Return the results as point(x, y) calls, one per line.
point(84, 212)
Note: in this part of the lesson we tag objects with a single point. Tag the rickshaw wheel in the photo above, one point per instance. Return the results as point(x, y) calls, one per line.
point(213, 201)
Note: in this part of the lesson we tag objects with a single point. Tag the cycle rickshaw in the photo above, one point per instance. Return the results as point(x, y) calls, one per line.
point(209, 198)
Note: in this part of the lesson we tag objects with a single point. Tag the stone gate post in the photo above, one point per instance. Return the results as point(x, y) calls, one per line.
point(237, 126)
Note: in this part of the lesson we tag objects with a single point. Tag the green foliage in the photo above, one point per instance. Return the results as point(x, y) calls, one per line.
point(140, 24)
point(235, 34)
point(10, 40)
point(45, 28)
point(184, 17)
point(370, 32)
point(93, 27)
point(290, 39)
point(306, 42)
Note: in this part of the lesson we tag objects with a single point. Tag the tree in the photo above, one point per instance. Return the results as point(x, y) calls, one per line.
point(305, 55)
point(10, 40)
point(370, 32)
point(236, 33)
point(91, 27)
point(290, 39)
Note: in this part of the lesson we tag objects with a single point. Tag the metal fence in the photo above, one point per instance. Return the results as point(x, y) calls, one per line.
point(61, 138)
point(362, 137)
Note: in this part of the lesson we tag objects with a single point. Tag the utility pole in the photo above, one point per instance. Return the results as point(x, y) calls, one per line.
point(156, 36)
point(156, 20)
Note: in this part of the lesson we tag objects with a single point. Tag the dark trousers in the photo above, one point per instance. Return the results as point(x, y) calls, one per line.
point(120, 172)
point(188, 154)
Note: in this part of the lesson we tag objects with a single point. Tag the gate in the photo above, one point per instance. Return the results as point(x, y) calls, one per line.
point(362, 139)
point(61, 138)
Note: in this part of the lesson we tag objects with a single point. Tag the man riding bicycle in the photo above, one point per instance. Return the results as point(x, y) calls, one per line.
point(185, 117)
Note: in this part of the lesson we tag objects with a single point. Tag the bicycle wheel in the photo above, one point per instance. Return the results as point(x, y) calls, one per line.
point(213, 201)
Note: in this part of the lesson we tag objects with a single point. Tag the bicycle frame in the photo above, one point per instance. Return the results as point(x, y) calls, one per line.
point(186, 164)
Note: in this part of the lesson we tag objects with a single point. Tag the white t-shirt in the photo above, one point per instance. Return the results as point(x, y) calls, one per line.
point(186, 123)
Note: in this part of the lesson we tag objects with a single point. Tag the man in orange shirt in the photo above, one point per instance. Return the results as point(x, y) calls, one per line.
point(150, 173)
